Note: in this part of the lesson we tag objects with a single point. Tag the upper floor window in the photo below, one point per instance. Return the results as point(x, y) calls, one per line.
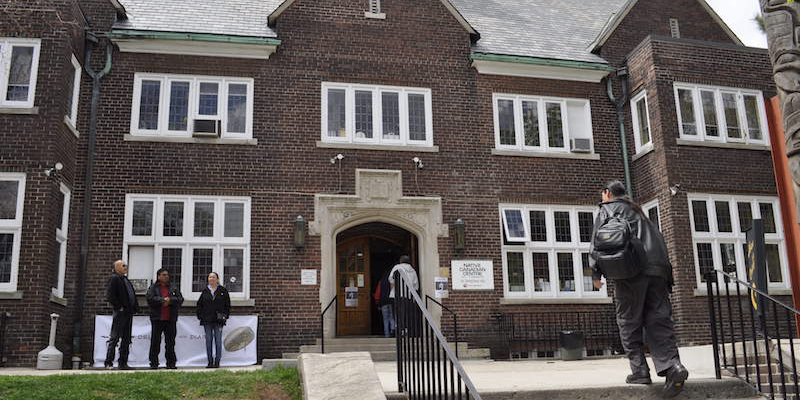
point(185, 105)
point(386, 115)
point(720, 114)
point(191, 236)
point(73, 91)
point(12, 197)
point(19, 61)
point(546, 251)
point(641, 122)
point(542, 124)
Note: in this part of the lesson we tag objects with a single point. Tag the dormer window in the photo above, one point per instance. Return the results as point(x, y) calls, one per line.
point(374, 10)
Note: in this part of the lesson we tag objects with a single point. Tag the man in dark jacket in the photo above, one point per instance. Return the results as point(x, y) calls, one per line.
point(122, 298)
point(643, 301)
point(165, 301)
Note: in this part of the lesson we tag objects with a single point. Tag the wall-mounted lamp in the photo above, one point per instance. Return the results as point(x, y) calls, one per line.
point(54, 170)
point(338, 157)
point(459, 235)
point(299, 232)
point(675, 189)
point(417, 162)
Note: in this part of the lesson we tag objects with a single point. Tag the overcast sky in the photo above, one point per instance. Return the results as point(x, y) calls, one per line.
point(738, 14)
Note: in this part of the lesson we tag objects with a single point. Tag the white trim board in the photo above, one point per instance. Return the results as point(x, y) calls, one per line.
point(196, 48)
point(538, 71)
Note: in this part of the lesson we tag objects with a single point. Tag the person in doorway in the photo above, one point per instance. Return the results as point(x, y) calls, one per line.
point(404, 307)
point(384, 303)
point(121, 296)
point(164, 299)
point(642, 302)
point(213, 310)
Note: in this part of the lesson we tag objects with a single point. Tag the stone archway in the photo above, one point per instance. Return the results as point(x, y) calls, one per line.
point(379, 198)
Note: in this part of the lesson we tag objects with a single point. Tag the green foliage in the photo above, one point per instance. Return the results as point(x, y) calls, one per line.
point(217, 385)
point(759, 20)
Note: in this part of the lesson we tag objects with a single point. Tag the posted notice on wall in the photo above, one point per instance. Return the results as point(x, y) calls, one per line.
point(308, 277)
point(238, 342)
point(472, 274)
point(441, 291)
point(351, 296)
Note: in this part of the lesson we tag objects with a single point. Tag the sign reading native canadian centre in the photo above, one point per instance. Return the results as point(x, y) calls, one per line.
point(472, 274)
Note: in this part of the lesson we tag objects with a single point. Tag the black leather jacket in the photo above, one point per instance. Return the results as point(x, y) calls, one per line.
point(655, 248)
point(155, 301)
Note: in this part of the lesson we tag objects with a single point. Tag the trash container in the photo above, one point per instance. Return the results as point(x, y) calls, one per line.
point(572, 345)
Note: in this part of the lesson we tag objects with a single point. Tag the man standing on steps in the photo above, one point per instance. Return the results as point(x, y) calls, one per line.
point(405, 307)
point(122, 298)
point(642, 299)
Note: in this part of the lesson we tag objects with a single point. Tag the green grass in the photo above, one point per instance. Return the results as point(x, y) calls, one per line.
point(217, 385)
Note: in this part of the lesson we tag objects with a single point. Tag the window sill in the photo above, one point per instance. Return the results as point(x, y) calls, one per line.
point(11, 295)
point(541, 154)
point(71, 127)
point(699, 292)
point(560, 300)
point(374, 15)
point(19, 110)
point(643, 152)
point(58, 300)
point(193, 303)
point(741, 146)
point(386, 147)
point(171, 139)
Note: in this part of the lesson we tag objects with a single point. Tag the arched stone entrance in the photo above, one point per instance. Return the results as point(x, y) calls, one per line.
point(379, 198)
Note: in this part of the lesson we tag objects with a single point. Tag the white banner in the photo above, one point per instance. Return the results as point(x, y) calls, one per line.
point(238, 338)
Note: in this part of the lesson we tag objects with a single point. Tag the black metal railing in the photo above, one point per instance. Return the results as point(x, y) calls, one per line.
point(522, 332)
point(4, 317)
point(322, 322)
point(427, 368)
point(757, 345)
point(452, 314)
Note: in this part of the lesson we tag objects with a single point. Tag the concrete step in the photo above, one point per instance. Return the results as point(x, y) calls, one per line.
point(357, 340)
point(391, 355)
point(345, 347)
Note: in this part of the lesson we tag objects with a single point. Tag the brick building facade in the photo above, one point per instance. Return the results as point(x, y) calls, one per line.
point(458, 87)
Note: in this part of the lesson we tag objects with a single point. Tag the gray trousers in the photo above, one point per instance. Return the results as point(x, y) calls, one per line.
point(643, 305)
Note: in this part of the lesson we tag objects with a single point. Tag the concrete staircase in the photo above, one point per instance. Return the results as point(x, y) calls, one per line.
point(379, 348)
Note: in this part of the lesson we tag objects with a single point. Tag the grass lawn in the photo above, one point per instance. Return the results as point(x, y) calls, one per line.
point(278, 384)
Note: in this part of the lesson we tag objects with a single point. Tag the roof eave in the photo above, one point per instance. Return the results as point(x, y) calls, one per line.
point(542, 61)
point(200, 37)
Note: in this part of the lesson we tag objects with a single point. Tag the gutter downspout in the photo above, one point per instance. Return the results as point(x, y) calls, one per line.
point(622, 74)
point(87, 198)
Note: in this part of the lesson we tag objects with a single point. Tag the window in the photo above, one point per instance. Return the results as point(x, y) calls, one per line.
point(546, 251)
point(651, 210)
point(719, 224)
point(383, 115)
point(73, 91)
point(19, 62)
point(641, 122)
point(190, 236)
point(375, 6)
point(12, 196)
point(540, 123)
point(721, 114)
point(168, 105)
point(62, 233)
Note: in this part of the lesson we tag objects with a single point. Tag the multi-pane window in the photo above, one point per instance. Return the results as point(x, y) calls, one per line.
point(540, 123)
point(546, 251)
point(720, 114)
point(376, 114)
point(190, 236)
point(73, 90)
point(12, 195)
point(651, 210)
point(169, 105)
point(62, 228)
point(19, 61)
point(719, 224)
point(641, 122)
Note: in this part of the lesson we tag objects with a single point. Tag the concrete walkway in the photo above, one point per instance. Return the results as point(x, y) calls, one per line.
point(36, 372)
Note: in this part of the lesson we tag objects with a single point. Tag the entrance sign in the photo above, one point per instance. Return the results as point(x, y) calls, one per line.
point(351, 296)
point(472, 274)
point(238, 337)
point(755, 259)
point(308, 277)
point(441, 287)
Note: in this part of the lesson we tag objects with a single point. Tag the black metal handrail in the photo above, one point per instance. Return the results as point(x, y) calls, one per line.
point(756, 334)
point(455, 318)
point(423, 355)
point(322, 323)
point(4, 317)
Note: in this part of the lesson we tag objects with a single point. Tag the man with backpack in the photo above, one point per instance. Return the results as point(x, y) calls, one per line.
point(630, 250)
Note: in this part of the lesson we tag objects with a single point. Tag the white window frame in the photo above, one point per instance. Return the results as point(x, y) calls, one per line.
point(14, 227)
point(646, 207)
point(377, 115)
point(62, 235)
point(720, 111)
point(738, 238)
point(188, 241)
point(635, 118)
point(552, 248)
point(6, 46)
point(194, 98)
point(72, 117)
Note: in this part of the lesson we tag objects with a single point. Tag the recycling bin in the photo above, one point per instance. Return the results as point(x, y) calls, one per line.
point(572, 345)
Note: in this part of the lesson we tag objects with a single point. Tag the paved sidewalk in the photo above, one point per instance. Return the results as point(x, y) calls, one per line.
point(505, 376)
point(36, 372)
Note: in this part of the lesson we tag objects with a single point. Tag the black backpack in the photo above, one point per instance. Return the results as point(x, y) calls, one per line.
point(618, 254)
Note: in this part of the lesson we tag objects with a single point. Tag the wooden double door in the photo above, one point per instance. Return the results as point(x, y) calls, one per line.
point(353, 288)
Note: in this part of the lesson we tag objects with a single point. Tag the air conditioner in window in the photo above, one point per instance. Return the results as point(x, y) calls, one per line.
point(580, 145)
point(207, 128)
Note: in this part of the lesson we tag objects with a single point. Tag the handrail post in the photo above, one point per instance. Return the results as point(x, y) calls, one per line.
point(335, 305)
point(712, 276)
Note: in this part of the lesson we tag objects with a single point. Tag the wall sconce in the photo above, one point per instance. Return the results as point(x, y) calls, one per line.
point(675, 189)
point(55, 170)
point(299, 232)
point(459, 235)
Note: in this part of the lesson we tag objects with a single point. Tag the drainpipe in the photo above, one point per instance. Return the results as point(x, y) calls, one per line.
point(622, 74)
point(91, 40)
